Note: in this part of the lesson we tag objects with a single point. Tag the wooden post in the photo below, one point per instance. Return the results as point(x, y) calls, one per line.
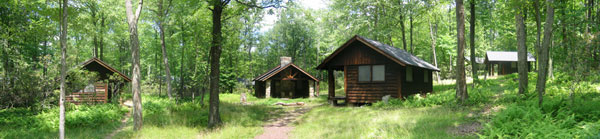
point(331, 82)
point(268, 89)
point(400, 83)
point(317, 89)
point(346, 82)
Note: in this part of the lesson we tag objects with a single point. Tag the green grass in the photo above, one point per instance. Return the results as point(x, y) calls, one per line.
point(81, 122)
point(370, 122)
point(165, 119)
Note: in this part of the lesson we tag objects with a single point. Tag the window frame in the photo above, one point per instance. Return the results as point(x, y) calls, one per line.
point(371, 73)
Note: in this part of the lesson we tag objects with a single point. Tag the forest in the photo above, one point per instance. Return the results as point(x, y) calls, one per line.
point(191, 68)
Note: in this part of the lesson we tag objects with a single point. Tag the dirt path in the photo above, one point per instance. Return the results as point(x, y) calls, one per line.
point(129, 104)
point(278, 128)
point(476, 126)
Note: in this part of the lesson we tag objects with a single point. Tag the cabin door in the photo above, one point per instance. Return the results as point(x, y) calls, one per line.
point(287, 89)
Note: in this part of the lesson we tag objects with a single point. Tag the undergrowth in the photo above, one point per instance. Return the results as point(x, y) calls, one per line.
point(560, 116)
point(25, 123)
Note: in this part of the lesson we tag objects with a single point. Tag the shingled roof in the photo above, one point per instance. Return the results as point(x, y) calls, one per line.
point(278, 69)
point(395, 54)
point(506, 56)
point(106, 66)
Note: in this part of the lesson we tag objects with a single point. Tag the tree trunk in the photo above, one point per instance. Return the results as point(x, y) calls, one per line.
point(95, 24)
point(543, 57)
point(161, 15)
point(433, 34)
point(522, 50)
point(461, 83)
point(214, 118)
point(472, 43)
point(181, 77)
point(132, 20)
point(403, 32)
point(412, 49)
point(101, 43)
point(538, 25)
point(63, 68)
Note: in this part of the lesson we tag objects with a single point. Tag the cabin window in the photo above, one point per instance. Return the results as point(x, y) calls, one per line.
point(409, 74)
point(513, 65)
point(364, 73)
point(425, 76)
point(371, 73)
point(379, 73)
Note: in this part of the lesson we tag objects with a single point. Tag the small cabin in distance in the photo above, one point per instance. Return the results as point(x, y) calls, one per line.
point(286, 81)
point(102, 90)
point(373, 70)
point(507, 62)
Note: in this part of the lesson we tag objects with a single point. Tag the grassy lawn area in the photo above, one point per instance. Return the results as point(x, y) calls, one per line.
point(164, 119)
point(370, 122)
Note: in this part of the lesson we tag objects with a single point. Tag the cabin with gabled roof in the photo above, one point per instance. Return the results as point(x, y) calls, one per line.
point(506, 61)
point(373, 70)
point(287, 80)
point(103, 89)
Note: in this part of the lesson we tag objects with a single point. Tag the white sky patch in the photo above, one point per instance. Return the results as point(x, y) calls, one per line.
point(269, 19)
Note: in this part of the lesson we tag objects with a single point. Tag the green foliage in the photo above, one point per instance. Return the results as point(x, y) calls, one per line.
point(24, 123)
point(560, 116)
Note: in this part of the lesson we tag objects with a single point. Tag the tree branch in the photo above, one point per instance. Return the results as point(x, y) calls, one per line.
point(258, 6)
point(138, 11)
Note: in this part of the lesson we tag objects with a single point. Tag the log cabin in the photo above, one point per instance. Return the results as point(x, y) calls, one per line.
point(103, 89)
point(507, 62)
point(373, 70)
point(286, 81)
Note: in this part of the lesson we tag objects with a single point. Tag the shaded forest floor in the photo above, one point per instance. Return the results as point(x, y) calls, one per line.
point(494, 109)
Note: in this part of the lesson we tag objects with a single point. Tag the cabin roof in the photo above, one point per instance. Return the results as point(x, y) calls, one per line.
point(265, 76)
point(478, 60)
point(506, 56)
point(395, 54)
point(106, 66)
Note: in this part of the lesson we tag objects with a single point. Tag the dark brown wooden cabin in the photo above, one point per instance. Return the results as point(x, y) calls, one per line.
point(373, 70)
point(286, 81)
point(102, 90)
point(507, 62)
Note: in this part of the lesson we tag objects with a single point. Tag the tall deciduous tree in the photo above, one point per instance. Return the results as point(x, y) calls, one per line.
point(523, 67)
point(161, 13)
point(63, 68)
point(472, 41)
point(538, 25)
point(544, 56)
point(218, 6)
point(214, 118)
point(461, 82)
point(132, 20)
point(433, 33)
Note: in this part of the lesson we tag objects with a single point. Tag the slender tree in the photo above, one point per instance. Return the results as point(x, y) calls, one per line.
point(538, 25)
point(523, 67)
point(461, 82)
point(63, 68)
point(433, 34)
point(162, 13)
point(544, 56)
point(472, 42)
point(132, 20)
